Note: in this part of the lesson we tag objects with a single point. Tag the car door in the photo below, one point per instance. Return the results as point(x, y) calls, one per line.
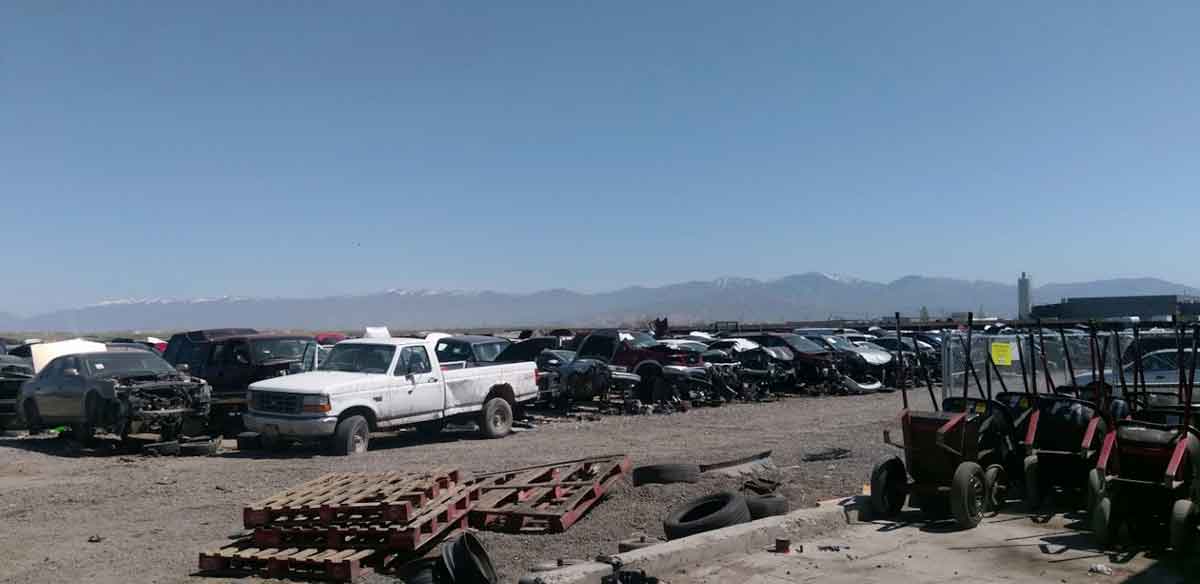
point(59, 395)
point(216, 363)
point(419, 390)
point(42, 389)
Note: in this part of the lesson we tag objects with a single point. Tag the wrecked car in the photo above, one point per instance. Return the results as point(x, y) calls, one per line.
point(119, 391)
point(863, 369)
point(628, 351)
point(14, 372)
point(813, 367)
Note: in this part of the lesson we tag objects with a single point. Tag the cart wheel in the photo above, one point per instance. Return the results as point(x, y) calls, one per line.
point(1033, 487)
point(1182, 527)
point(1104, 529)
point(968, 494)
point(889, 481)
point(1095, 488)
point(996, 482)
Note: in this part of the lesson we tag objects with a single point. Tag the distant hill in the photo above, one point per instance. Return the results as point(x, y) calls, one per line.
point(810, 296)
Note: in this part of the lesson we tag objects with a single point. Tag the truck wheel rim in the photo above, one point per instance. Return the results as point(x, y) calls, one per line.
point(360, 442)
point(499, 420)
point(977, 496)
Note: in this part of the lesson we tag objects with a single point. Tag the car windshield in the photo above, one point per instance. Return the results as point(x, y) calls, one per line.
point(272, 349)
point(359, 358)
point(802, 344)
point(639, 339)
point(122, 363)
point(487, 352)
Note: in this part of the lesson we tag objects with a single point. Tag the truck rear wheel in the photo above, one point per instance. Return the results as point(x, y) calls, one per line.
point(496, 419)
point(351, 437)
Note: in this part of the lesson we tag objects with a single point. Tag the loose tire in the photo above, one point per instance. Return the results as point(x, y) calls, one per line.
point(496, 419)
point(766, 505)
point(665, 474)
point(1104, 529)
point(1183, 527)
point(352, 436)
point(1095, 488)
point(968, 494)
point(889, 483)
point(706, 514)
point(1033, 486)
point(996, 482)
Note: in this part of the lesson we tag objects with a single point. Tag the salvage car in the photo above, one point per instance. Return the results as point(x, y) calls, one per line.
point(374, 384)
point(119, 391)
point(469, 350)
point(864, 369)
point(14, 372)
point(812, 364)
point(629, 351)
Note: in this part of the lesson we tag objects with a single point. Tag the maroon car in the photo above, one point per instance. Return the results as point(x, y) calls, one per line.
point(635, 352)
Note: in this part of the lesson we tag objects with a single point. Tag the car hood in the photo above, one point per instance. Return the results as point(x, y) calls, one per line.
point(874, 357)
point(315, 382)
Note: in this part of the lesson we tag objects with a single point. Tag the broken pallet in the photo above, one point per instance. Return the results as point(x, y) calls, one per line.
point(428, 524)
point(243, 559)
point(388, 496)
point(547, 498)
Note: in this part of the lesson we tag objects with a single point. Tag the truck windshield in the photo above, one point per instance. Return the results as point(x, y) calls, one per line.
point(276, 349)
point(358, 358)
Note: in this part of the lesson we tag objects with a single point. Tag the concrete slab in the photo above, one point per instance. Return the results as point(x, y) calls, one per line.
point(1006, 548)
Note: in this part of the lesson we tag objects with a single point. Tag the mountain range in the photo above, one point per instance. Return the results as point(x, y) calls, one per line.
point(809, 296)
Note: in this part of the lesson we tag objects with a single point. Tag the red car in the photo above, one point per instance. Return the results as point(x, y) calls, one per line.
point(636, 352)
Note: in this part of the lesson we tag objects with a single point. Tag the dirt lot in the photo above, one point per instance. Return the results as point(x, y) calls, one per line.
point(151, 516)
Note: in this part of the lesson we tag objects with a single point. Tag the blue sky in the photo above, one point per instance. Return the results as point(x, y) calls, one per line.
point(202, 149)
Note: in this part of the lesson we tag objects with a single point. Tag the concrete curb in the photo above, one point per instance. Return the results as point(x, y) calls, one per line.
point(672, 556)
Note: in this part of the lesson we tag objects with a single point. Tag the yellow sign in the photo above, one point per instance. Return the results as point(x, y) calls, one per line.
point(1002, 354)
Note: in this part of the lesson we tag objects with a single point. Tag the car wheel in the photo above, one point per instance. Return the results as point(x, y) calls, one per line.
point(33, 420)
point(767, 505)
point(996, 481)
point(665, 474)
point(352, 436)
point(496, 419)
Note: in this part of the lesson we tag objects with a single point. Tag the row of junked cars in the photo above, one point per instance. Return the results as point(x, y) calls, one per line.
point(284, 388)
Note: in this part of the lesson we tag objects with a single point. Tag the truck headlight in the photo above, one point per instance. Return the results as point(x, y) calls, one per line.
point(316, 404)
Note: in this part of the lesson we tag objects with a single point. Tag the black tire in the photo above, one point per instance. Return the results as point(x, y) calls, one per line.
point(495, 421)
point(1104, 528)
point(33, 419)
point(464, 559)
point(706, 514)
point(996, 482)
point(351, 437)
point(767, 505)
point(1095, 488)
point(889, 485)
point(1183, 527)
point(665, 474)
point(1033, 483)
point(967, 495)
point(431, 428)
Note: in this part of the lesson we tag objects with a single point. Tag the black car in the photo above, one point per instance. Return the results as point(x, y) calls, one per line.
point(193, 347)
point(14, 371)
point(470, 350)
point(812, 363)
point(120, 391)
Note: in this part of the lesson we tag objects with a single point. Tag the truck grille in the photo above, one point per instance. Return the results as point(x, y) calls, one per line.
point(278, 403)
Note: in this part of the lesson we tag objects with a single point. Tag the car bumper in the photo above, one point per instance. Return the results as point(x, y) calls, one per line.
point(290, 427)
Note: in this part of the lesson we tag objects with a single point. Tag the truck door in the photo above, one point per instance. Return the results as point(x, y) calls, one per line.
point(420, 390)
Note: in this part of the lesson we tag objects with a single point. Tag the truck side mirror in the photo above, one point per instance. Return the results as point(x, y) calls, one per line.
point(183, 368)
point(70, 372)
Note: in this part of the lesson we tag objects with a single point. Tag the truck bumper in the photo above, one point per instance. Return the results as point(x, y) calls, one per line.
point(290, 427)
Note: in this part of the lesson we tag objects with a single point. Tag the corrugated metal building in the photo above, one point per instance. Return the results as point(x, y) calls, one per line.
point(1101, 307)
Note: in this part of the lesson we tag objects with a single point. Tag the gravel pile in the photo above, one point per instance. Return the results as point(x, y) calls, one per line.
point(152, 516)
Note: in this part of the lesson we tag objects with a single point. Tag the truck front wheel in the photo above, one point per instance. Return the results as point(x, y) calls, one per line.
point(496, 419)
point(351, 436)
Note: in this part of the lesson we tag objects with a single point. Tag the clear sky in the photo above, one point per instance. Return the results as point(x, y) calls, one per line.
point(171, 149)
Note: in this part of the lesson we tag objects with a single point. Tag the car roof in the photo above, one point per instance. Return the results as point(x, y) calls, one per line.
point(395, 341)
point(475, 339)
point(210, 334)
point(263, 337)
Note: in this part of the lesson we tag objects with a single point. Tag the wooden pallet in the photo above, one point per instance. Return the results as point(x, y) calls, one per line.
point(547, 498)
point(428, 524)
point(243, 559)
point(388, 496)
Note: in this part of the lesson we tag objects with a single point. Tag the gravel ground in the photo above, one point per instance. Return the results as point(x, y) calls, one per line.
point(147, 518)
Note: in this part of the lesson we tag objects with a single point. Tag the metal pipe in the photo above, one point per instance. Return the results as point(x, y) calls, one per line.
point(1021, 359)
point(1137, 365)
point(1120, 366)
point(995, 369)
point(970, 324)
point(987, 372)
point(1045, 365)
point(1067, 354)
point(903, 391)
point(928, 377)
point(1033, 364)
point(900, 355)
point(1187, 408)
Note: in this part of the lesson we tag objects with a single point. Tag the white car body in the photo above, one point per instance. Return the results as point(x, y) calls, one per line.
point(388, 399)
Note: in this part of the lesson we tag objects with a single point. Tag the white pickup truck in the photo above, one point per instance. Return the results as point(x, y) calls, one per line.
point(372, 384)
